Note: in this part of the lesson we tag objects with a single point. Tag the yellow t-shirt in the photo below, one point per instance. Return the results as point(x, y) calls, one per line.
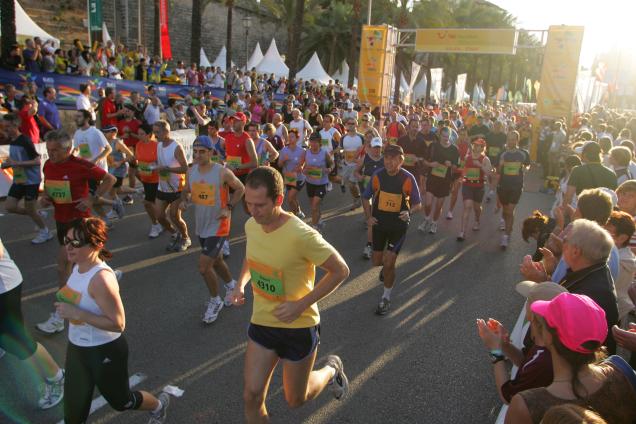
point(282, 265)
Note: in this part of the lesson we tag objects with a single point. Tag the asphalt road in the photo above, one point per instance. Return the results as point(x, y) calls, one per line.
point(422, 363)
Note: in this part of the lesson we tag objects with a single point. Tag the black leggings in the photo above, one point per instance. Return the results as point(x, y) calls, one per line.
point(104, 366)
point(14, 337)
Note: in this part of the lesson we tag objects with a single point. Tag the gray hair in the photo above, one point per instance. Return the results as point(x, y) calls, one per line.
point(59, 136)
point(593, 240)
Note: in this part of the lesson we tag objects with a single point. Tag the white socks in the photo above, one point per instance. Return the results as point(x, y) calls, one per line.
point(387, 293)
point(57, 377)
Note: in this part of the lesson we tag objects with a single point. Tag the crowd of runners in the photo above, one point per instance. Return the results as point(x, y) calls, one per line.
point(407, 165)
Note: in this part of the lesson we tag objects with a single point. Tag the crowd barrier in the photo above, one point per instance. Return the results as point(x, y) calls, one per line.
point(184, 137)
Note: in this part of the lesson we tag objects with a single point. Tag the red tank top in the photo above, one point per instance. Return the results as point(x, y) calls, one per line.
point(236, 151)
point(473, 174)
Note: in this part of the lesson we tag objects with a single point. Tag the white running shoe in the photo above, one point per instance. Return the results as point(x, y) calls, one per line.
point(502, 224)
point(53, 325)
point(213, 307)
point(449, 215)
point(229, 288)
point(424, 226)
point(118, 207)
point(339, 383)
point(43, 236)
point(476, 226)
point(160, 416)
point(226, 249)
point(367, 252)
point(43, 214)
point(329, 186)
point(505, 238)
point(52, 393)
point(155, 230)
point(433, 228)
point(111, 214)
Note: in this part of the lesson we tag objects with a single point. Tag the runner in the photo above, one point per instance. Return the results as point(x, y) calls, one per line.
point(24, 161)
point(512, 163)
point(463, 146)
point(318, 165)
point(265, 152)
point(171, 167)
point(118, 160)
point(207, 185)
point(496, 140)
point(97, 352)
point(218, 143)
point(352, 146)
point(66, 187)
point(477, 167)
point(366, 167)
point(146, 151)
point(239, 148)
point(330, 141)
point(304, 128)
point(395, 196)
point(443, 163)
point(128, 129)
point(395, 129)
point(415, 149)
point(16, 339)
point(291, 161)
point(280, 128)
point(281, 255)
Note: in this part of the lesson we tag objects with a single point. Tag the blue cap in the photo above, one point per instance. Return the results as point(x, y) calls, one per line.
point(203, 141)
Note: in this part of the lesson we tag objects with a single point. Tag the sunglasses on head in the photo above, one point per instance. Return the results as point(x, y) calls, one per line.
point(76, 244)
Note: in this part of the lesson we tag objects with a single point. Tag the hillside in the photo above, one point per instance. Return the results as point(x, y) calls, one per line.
point(62, 18)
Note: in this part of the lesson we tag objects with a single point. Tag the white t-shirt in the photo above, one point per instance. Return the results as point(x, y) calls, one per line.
point(327, 135)
point(114, 72)
point(152, 113)
point(96, 142)
point(247, 83)
point(351, 146)
point(300, 125)
point(10, 276)
point(84, 103)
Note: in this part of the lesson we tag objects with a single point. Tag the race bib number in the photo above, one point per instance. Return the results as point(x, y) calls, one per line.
point(144, 168)
point(493, 152)
point(164, 175)
point(314, 172)
point(233, 161)
point(350, 155)
point(59, 191)
point(290, 178)
point(19, 175)
point(410, 159)
point(473, 173)
point(440, 171)
point(70, 296)
point(203, 194)
point(267, 281)
point(85, 151)
point(511, 168)
point(216, 159)
point(393, 140)
point(389, 202)
point(366, 180)
point(324, 142)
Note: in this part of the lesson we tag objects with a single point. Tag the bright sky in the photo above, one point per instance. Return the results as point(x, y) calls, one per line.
point(608, 23)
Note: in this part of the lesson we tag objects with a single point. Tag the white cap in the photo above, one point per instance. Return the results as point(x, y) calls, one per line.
point(376, 142)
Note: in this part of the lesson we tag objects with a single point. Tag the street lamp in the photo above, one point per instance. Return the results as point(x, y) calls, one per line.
point(247, 23)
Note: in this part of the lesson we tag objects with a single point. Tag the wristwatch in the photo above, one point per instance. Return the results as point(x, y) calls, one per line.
point(496, 355)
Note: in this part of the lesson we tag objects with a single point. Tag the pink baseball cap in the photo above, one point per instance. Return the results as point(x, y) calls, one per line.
point(576, 318)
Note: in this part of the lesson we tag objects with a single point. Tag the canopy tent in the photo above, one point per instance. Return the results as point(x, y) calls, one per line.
point(26, 28)
point(255, 58)
point(220, 60)
point(342, 75)
point(203, 59)
point(272, 63)
point(314, 70)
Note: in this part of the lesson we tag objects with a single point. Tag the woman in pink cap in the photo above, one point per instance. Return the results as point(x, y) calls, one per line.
point(573, 327)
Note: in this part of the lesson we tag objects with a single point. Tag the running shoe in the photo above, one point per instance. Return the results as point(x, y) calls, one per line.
point(226, 249)
point(183, 245)
point(118, 274)
point(111, 214)
point(128, 200)
point(339, 383)
point(160, 416)
point(155, 230)
point(329, 186)
point(381, 276)
point(43, 236)
point(367, 252)
point(229, 288)
point(53, 325)
point(449, 215)
point(343, 189)
point(383, 307)
point(476, 226)
point(502, 224)
point(490, 194)
point(505, 238)
point(52, 393)
point(118, 207)
point(213, 307)
point(175, 238)
point(461, 237)
point(300, 214)
point(433, 228)
point(424, 226)
point(321, 225)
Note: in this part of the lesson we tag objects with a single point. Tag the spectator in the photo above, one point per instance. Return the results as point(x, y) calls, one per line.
point(84, 102)
point(619, 159)
point(152, 110)
point(14, 61)
point(592, 174)
point(113, 70)
point(12, 103)
point(538, 227)
point(32, 56)
point(61, 63)
point(49, 116)
point(109, 112)
point(570, 413)
point(621, 227)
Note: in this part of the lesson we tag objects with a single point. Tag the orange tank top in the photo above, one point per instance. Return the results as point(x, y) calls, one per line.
point(146, 153)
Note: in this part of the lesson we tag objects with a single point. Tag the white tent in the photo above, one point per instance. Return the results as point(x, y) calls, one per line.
point(220, 60)
point(26, 28)
point(342, 74)
point(203, 59)
point(255, 58)
point(272, 63)
point(314, 70)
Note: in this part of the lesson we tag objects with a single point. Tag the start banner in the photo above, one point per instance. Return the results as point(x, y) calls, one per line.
point(456, 40)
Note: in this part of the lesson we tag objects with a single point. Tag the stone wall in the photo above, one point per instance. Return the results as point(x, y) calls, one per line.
point(213, 32)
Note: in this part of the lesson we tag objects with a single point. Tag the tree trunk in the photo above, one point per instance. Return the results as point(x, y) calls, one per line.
point(195, 46)
point(7, 26)
point(157, 29)
point(228, 38)
point(428, 78)
point(488, 75)
point(356, 30)
point(332, 56)
point(292, 60)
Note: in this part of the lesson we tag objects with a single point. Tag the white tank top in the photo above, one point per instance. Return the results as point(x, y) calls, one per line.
point(76, 292)
point(279, 131)
point(169, 182)
point(326, 137)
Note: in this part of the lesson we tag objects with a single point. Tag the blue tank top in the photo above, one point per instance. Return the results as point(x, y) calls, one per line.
point(116, 156)
point(316, 167)
point(293, 159)
point(261, 153)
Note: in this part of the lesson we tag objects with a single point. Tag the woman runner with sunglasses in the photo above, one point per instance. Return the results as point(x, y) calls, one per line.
point(97, 352)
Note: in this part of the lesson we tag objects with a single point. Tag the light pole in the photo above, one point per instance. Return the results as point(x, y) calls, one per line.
point(247, 22)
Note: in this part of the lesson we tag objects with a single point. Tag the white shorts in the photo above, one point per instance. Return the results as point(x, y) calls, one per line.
point(347, 173)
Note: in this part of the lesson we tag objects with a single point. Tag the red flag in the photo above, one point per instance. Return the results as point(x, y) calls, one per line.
point(166, 51)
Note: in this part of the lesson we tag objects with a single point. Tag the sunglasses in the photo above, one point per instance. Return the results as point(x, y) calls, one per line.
point(76, 244)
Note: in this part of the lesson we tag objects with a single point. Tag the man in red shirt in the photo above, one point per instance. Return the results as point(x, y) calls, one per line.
point(128, 128)
point(29, 126)
point(66, 179)
point(109, 114)
point(239, 148)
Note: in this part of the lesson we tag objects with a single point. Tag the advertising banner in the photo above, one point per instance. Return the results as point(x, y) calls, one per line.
point(95, 19)
point(456, 40)
point(559, 72)
point(166, 50)
point(436, 83)
point(377, 59)
point(460, 88)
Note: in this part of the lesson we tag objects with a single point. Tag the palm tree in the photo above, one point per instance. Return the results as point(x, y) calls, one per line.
point(198, 7)
point(7, 26)
point(294, 45)
point(228, 41)
point(356, 29)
